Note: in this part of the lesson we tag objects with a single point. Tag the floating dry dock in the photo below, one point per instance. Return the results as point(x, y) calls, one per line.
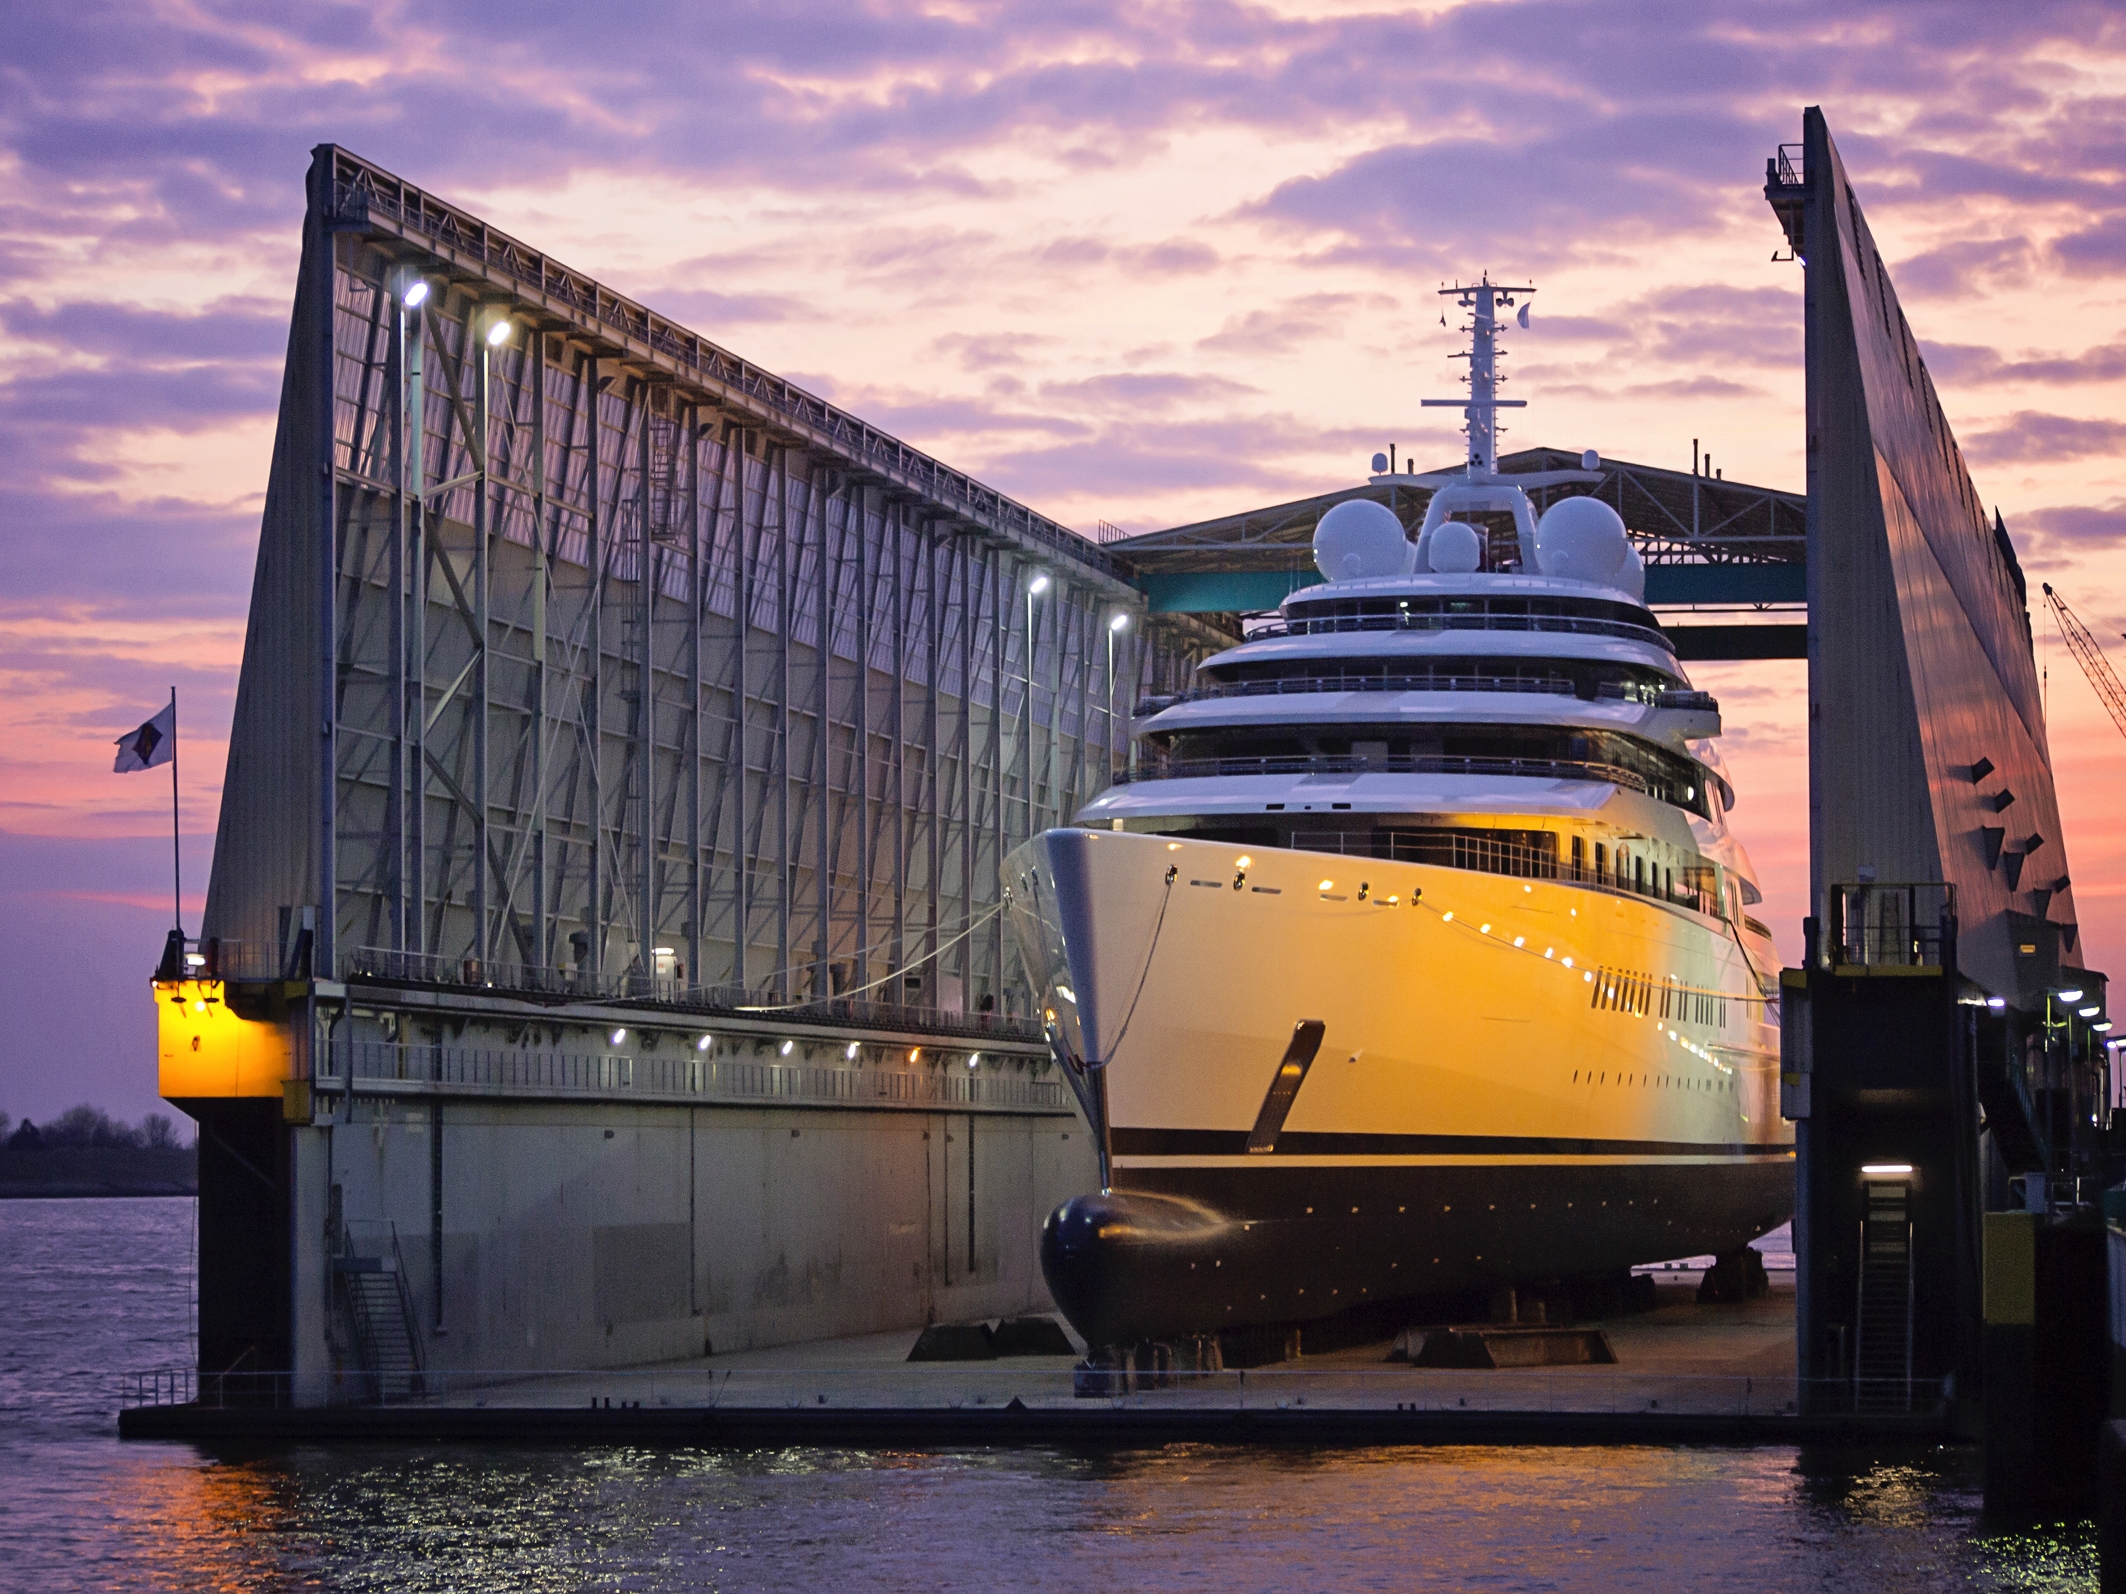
point(1685, 1374)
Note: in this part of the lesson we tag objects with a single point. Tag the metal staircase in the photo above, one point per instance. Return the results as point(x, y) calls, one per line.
point(380, 1310)
point(1882, 1327)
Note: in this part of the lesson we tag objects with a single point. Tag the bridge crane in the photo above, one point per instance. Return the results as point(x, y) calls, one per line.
point(2090, 657)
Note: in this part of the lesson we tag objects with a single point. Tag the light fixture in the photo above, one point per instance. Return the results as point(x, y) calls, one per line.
point(618, 1036)
point(915, 1054)
point(661, 951)
point(498, 334)
point(1173, 846)
point(1996, 1002)
point(704, 1043)
point(199, 1006)
point(194, 960)
point(1873, 1168)
point(416, 294)
point(787, 1047)
point(850, 1052)
point(1037, 586)
point(1326, 884)
point(2072, 994)
point(974, 1060)
point(2090, 1011)
point(2101, 1027)
point(1119, 623)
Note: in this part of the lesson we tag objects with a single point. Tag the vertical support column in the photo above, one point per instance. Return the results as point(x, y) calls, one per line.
point(598, 555)
point(697, 599)
point(897, 530)
point(785, 613)
point(413, 704)
point(482, 529)
point(961, 577)
point(860, 770)
point(542, 555)
point(933, 764)
point(645, 663)
point(395, 809)
point(826, 586)
point(1000, 606)
point(741, 707)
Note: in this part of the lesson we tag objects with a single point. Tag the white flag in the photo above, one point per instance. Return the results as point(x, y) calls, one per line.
point(154, 743)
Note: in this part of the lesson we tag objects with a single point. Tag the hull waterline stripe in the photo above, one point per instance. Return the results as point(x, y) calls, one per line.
point(1307, 1142)
point(1531, 1160)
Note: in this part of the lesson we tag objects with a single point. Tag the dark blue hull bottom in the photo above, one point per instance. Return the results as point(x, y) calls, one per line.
point(1175, 1252)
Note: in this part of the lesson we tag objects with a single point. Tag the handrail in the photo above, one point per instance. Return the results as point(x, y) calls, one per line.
point(1390, 763)
point(1551, 686)
point(1567, 624)
point(385, 966)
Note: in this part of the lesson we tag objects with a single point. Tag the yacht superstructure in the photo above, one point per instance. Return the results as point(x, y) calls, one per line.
point(1415, 957)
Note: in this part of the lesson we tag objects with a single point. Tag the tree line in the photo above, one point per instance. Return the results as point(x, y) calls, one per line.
point(91, 1128)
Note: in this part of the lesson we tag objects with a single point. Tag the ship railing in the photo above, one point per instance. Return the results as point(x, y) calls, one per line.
point(1905, 925)
point(1055, 1384)
point(1549, 686)
point(1392, 764)
point(386, 966)
point(1568, 624)
point(1447, 849)
point(815, 1071)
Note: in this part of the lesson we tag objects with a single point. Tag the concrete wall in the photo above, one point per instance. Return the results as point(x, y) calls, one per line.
point(600, 1234)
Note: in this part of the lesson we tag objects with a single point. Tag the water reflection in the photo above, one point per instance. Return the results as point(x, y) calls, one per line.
point(78, 1510)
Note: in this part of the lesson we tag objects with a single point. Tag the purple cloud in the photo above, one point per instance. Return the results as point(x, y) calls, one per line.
point(2032, 435)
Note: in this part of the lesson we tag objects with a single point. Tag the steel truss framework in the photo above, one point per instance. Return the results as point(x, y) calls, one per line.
point(636, 666)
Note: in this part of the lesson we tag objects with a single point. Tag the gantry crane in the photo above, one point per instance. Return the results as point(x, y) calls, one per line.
point(2090, 657)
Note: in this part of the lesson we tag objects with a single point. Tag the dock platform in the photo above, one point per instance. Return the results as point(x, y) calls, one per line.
point(1684, 1374)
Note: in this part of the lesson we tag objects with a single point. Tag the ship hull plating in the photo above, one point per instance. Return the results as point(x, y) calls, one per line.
point(1512, 1081)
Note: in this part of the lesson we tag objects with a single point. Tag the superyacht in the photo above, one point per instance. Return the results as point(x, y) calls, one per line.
point(1414, 958)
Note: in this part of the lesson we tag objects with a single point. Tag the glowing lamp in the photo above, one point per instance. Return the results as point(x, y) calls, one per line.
point(618, 1036)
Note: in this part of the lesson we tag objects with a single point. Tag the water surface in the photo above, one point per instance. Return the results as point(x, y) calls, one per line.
point(87, 1287)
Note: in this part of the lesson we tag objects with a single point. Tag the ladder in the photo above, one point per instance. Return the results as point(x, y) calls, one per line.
point(380, 1310)
point(1882, 1324)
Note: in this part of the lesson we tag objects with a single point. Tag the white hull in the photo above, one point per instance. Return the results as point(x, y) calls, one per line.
point(1628, 1098)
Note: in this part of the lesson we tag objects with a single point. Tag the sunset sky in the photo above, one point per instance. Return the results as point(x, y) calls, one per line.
point(1138, 263)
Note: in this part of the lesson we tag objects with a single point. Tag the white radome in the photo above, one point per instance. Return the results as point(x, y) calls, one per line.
point(1456, 548)
point(1582, 539)
point(1360, 538)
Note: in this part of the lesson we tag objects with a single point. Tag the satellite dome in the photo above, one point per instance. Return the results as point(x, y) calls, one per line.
point(1582, 539)
point(1358, 538)
point(1456, 547)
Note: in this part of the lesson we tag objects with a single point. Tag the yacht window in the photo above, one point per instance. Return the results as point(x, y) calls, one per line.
point(1601, 871)
point(1579, 857)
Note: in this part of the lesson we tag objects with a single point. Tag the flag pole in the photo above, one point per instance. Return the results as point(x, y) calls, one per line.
point(177, 863)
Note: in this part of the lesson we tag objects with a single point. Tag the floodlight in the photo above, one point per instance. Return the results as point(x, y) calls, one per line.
point(851, 1052)
point(1996, 1002)
point(1037, 586)
point(2090, 1011)
point(787, 1046)
point(1119, 623)
point(704, 1043)
point(498, 334)
point(1885, 1167)
point(2073, 993)
point(618, 1036)
point(416, 294)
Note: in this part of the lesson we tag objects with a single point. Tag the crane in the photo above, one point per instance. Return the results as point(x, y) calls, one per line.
point(2090, 657)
